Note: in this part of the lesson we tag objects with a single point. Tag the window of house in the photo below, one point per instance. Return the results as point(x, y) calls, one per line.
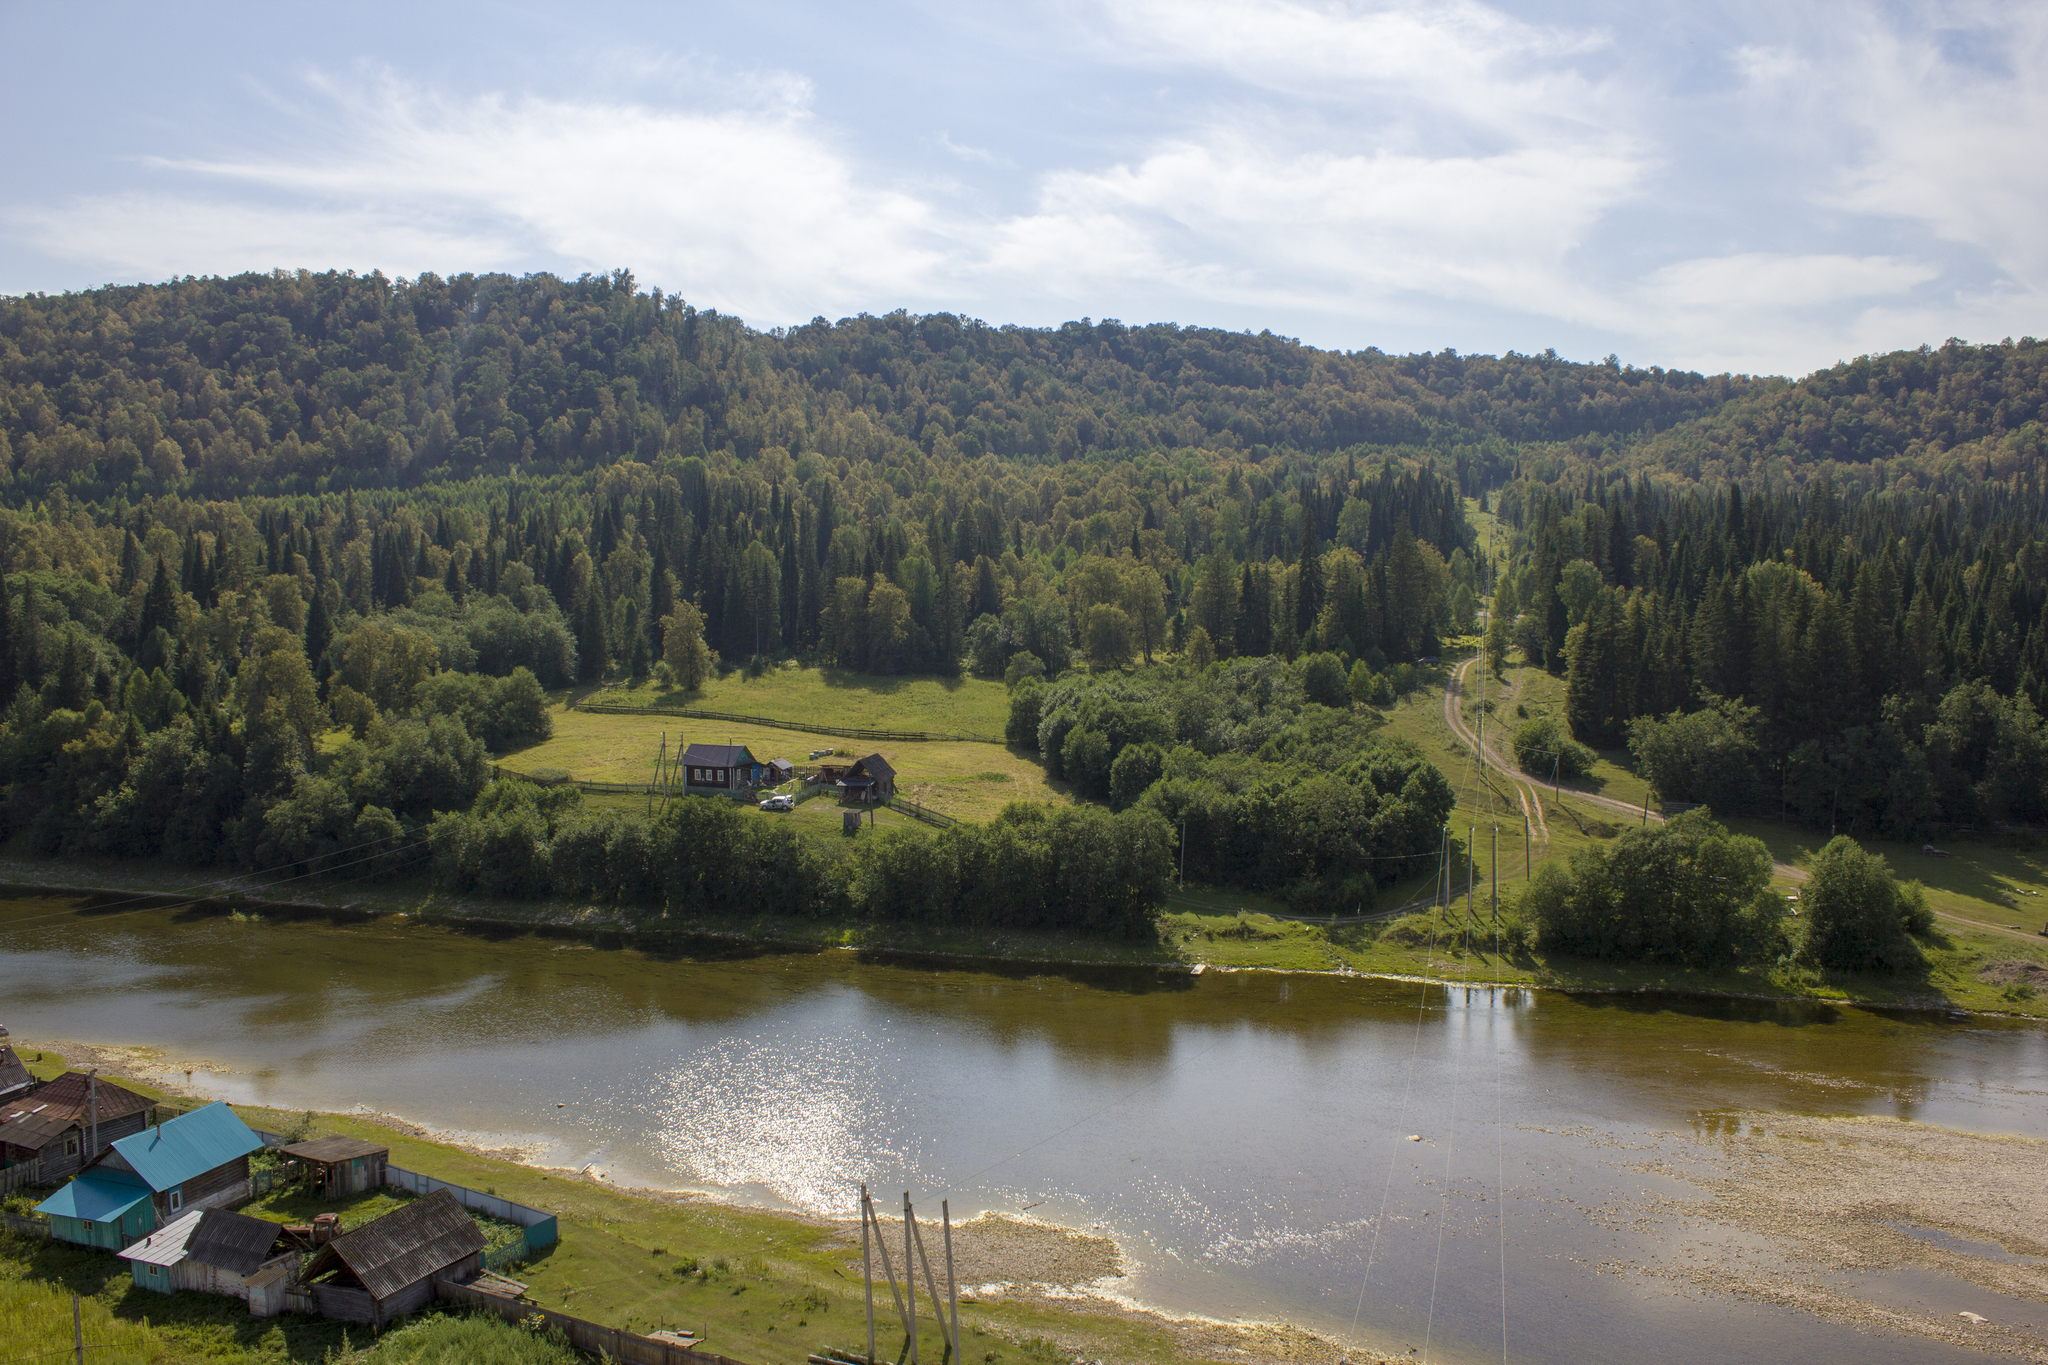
point(71, 1145)
point(176, 1199)
point(152, 1270)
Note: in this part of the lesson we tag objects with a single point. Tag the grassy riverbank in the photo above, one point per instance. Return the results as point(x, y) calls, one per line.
point(755, 1285)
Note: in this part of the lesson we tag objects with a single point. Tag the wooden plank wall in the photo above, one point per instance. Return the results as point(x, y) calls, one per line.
point(628, 1348)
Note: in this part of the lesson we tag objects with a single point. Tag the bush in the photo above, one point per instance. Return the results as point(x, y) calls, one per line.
point(1686, 892)
point(1708, 756)
point(1543, 748)
point(1858, 917)
point(1323, 680)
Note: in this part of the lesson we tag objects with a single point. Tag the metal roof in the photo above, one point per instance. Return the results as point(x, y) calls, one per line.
point(13, 1075)
point(189, 1145)
point(67, 1098)
point(328, 1150)
point(97, 1197)
point(165, 1246)
point(718, 755)
point(233, 1242)
point(403, 1247)
point(874, 765)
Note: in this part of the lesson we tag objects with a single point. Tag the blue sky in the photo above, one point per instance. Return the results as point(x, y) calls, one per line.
point(1756, 187)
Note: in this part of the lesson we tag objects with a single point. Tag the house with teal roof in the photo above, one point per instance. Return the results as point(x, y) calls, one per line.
point(142, 1182)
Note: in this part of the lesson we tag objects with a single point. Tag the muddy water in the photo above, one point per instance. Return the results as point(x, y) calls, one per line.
point(1244, 1135)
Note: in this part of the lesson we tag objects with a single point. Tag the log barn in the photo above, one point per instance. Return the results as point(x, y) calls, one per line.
point(387, 1267)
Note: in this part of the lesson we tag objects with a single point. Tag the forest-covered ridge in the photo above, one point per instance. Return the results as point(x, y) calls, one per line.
point(283, 383)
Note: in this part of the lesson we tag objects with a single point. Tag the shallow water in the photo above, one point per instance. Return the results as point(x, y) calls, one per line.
point(1239, 1133)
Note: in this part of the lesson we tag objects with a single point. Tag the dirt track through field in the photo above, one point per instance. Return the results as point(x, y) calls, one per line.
point(1454, 717)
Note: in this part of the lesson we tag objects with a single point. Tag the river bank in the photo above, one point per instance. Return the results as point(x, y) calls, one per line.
point(1979, 972)
point(1032, 1292)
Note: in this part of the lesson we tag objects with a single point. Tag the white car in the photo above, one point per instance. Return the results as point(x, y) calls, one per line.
point(780, 801)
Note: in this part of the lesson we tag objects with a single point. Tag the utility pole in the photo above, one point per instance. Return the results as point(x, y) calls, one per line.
point(1183, 853)
point(867, 1267)
point(1495, 865)
point(952, 1281)
point(910, 1276)
point(1471, 843)
point(1528, 859)
point(92, 1108)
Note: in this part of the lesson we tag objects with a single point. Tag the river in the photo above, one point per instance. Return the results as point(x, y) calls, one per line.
point(1238, 1133)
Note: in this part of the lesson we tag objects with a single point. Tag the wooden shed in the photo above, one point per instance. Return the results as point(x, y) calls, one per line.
point(336, 1166)
point(387, 1267)
point(870, 779)
point(212, 1251)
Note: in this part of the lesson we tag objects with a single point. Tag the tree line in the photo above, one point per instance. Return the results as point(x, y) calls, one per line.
point(1876, 661)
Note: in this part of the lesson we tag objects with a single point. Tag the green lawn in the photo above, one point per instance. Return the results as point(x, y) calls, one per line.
point(964, 779)
point(956, 706)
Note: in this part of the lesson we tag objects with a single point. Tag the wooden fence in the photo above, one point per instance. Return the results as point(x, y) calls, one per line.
point(21, 1173)
point(801, 726)
point(614, 1343)
point(905, 806)
point(26, 1225)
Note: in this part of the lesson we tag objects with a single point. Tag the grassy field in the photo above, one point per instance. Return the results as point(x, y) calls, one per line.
point(869, 701)
point(967, 780)
point(756, 1286)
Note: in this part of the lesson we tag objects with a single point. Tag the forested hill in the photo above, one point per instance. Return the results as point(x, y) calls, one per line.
point(1950, 416)
point(294, 383)
point(288, 383)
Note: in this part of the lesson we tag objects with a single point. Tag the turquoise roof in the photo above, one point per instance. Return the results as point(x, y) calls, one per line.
point(191, 1144)
point(97, 1197)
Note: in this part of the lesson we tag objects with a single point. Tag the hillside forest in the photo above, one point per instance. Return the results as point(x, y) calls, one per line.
point(288, 557)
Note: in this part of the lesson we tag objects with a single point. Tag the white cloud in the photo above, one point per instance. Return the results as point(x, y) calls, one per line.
point(1953, 144)
point(756, 212)
point(1323, 168)
point(1233, 216)
point(1472, 61)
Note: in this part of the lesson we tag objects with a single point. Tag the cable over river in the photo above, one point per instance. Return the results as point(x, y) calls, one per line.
point(1678, 1182)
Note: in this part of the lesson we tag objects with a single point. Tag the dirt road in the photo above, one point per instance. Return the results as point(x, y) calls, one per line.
point(1530, 793)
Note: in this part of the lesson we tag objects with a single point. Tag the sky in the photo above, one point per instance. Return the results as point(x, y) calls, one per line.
point(1756, 187)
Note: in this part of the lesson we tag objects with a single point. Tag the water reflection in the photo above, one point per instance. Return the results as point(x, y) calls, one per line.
point(1241, 1132)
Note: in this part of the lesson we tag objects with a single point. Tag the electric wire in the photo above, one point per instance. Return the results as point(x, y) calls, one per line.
point(1407, 1088)
point(169, 900)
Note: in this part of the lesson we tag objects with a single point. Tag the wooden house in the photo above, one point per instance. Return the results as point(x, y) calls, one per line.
point(335, 1166)
point(779, 771)
point(197, 1160)
point(215, 1252)
point(66, 1122)
point(869, 779)
point(720, 770)
point(387, 1267)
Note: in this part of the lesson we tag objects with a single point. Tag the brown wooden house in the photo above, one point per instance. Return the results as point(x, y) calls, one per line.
point(387, 1267)
point(66, 1122)
point(869, 779)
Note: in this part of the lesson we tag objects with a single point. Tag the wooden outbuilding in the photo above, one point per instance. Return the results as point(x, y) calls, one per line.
point(336, 1166)
point(387, 1267)
point(869, 779)
point(66, 1122)
point(215, 1252)
point(779, 770)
